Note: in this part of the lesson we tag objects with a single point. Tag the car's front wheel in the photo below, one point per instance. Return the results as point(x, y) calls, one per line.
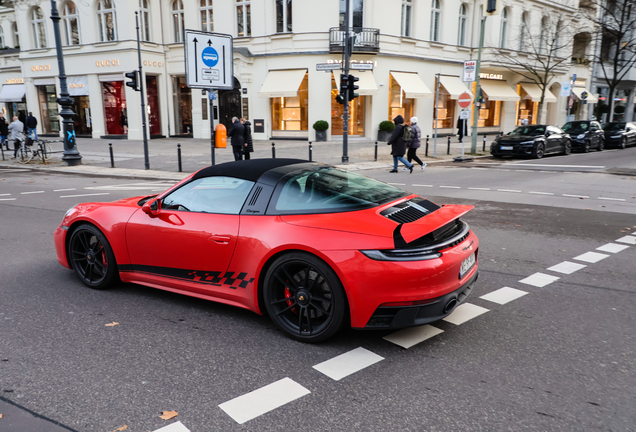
point(586, 147)
point(304, 297)
point(567, 147)
point(623, 143)
point(538, 151)
point(92, 257)
point(601, 145)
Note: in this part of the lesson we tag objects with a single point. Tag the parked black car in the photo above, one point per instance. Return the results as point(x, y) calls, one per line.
point(585, 135)
point(620, 134)
point(535, 141)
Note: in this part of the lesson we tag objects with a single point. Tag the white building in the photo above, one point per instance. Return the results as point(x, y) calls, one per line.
point(277, 44)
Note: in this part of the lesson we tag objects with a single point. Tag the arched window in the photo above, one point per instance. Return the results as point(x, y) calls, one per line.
point(16, 36)
point(436, 14)
point(543, 36)
point(523, 33)
point(144, 20)
point(207, 16)
point(461, 27)
point(503, 31)
point(39, 30)
point(71, 24)
point(106, 19)
point(2, 44)
point(177, 20)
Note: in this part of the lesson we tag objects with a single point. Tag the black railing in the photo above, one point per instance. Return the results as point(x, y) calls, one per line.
point(364, 39)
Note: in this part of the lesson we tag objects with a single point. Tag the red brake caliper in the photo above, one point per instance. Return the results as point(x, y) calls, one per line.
point(288, 295)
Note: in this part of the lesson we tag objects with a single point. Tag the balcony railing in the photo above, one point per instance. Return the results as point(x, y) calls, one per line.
point(365, 40)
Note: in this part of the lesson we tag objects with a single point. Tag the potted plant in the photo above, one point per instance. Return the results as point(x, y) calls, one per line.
point(321, 127)
point(384, 130)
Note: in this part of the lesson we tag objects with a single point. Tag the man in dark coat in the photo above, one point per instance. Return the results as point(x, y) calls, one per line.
point(398, 145)
point(4, 131)
point(31, 125)
point(236, 133)
point(249, 146)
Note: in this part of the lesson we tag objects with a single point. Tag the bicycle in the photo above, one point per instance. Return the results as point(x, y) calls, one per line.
point(43, 151)
point(24, 153)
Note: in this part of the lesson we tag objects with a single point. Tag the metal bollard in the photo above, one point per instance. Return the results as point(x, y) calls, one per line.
point(310, 151)
point(375, 156)
point(112, 158)
point(179, 156)
point(448, 147)
point(273, 150)
point(426, 152)
point(484, 146)
point(2, 149)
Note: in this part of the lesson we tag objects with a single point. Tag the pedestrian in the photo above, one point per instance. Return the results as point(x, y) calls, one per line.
point(462, 126)
point(398, 140)
point(416, 142)
point(32, 124)
point(247, 136)
point(236, 133)
point(4, 131)
point(17, 134)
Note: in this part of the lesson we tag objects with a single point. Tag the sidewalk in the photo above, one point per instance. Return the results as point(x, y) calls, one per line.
point(196, 154)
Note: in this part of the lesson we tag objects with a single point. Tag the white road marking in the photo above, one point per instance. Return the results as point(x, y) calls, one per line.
point(575, 196)
point(477, 168)
point(509, 190)
point(263, 400)
point(84, 195)
point(473, 188)
point(566, 267)
point(63, 190)
point(503, 295)
point(612, 248)
point(423, 185)
point(174, 427)
point(546, 171)
point(451, 187)
point(5, 194)
point(465, 312)
point(348, 363)
point(398, 184)
point(559, 166)
point(7, 199)
point(541, 193)
point(591, 257)
point(29, 193)
point(408, 337)
point(539, 280)
point(611, 199)
point(627, 239)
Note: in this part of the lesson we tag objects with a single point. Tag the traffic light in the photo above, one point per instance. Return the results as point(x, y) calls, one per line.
point(352, 87)
point(344, 85)
point(134, 81)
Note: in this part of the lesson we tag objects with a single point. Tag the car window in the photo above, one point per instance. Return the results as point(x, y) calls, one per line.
point(527, 131)
point(575, 127)
point(553, 130)
point(224, 195)
point(614, 127)
point(595, 126)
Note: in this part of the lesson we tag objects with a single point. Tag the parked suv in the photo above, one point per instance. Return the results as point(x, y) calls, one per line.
point(585, 135)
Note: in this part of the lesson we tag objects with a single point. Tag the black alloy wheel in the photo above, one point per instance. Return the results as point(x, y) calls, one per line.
point(586, 147)
point(538, 151)
point(304, 297)
point(601, 145)
point(567, 147)
point(623, 143)
point(91, 256)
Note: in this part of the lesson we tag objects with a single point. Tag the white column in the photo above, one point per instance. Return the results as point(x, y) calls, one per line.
point(319, 100)
point(96, 99)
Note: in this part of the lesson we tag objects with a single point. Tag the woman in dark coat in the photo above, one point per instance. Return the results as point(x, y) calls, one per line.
point(398, 145)
point(235, 134)
point(416, 142)
point(247, 135)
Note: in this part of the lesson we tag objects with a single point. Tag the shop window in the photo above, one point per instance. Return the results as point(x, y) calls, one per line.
point(291, 113)
point(207, 16)
point(115, 112)
point(70, 18)
point(82, 117)
point(182, 98)
point(177, 21)
point(398, 103)
point(243, 18)
point(154, 115)
point(144, 15)
point(407, 9)
point(283, 16)
point(48, 109)
point(445, 109)
point(107, 22)
point(489, 113)
point(356, 113)
point(246, 108)
point(527, 109)
point(39, 30)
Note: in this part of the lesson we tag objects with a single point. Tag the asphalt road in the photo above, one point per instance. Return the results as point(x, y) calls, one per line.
point(560, 358)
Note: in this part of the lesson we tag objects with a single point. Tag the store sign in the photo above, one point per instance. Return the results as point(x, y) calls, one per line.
point(77, 85)
point(470, 70)
point(41, 68)
point(15, 80)
point(152, 63)
point(327, 67)
point(374, 63)
point(362, 66)
point(566, 88)
point(491, 76)
point(107, 63)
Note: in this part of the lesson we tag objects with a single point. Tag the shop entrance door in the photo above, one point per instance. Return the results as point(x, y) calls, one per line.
point(154, 118)
point(230, 104)
point(182, 97)
point(356, 117)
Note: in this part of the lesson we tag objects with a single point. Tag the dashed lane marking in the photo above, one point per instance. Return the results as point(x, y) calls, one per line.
point(398, 184)
point(465, 312)
point(474, 188)
point(567, 267)
point(539, 280)
point(610, 199)
point(7, 199)
point(423, 185)
point(627, 239)
point(503, 295)
point(451, 187)
point(32, 192)
point(174, 427)
point(591, 257)
point(263, 400)
point(5, 194)
point(348, 363)
point(64, 190)
point(557, 166)
point(612, 248)
point(541, 193)
point(84, 195)
point(408, 337)
point(509, 190)
point(575, 196)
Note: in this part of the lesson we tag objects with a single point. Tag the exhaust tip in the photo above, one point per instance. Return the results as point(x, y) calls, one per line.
point(450, 305)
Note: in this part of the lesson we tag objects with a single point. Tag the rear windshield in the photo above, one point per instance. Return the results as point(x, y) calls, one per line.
point(610, 127)
point(329, 189)
point(528, 131)
point(576, 127)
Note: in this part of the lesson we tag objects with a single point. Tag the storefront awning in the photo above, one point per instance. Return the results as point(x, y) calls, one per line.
point(366, 85)
point(454, 86)
point(534, 91)
point(590, 97)
point(412, 85)
point(282, 83)
point(498, 91)
point(12, 93)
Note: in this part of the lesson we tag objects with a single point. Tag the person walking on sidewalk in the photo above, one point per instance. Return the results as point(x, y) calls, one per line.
point(247, 136)
point(236, 133)
point(4, 131)
point(416, 142)
point(398, 142)
point(32, 124)
point(17, 134)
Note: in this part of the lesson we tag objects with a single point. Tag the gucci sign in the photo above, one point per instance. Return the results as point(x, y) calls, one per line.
point(40, 68)
point(153, 63)
point(74, 86)
point(105, 63)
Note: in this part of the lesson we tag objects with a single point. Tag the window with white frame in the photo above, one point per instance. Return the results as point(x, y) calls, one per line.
point(106, 20)
point(70, 18)
point(557, 37)
point(177, 21)
point(207, 15)
point(503, 30)
point(2, 44)
point(16, 35)
point(524, 32)
point(543, 35)
point(243, 18)
point(436, 14)
point(407, 13)
point(283, 16)
point(461, 25)
point(144, 20)
point(39, 31)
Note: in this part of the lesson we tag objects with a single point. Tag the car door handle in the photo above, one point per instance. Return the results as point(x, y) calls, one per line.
point(221, 239)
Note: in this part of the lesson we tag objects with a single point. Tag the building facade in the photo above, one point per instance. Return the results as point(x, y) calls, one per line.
point(277, 45)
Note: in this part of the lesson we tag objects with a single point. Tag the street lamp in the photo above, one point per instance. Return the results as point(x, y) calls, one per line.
point(71, 155)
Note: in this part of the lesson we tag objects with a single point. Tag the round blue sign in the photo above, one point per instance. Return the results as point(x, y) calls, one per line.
point(210, 57)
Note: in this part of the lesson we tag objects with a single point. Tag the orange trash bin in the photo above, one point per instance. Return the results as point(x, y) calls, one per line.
point(220, 136)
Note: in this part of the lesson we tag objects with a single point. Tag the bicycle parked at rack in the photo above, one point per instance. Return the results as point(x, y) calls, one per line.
point(25, 154)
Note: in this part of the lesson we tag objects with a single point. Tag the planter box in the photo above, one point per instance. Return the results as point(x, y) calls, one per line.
point(384, 135)
point(321, 135)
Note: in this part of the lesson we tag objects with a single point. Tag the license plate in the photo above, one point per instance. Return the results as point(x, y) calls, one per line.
point(467, 264)
point(506, 147)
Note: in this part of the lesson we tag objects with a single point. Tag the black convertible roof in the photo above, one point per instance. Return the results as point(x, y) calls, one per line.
point(251, 169)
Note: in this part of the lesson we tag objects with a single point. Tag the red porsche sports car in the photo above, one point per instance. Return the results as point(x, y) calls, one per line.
point(314, 246)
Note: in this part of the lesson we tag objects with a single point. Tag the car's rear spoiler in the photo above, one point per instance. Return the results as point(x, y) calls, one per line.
point(414, 230)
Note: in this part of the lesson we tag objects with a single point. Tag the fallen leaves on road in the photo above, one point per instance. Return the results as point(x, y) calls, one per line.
point(167, 415)
point(123, 428)
point(112, 324)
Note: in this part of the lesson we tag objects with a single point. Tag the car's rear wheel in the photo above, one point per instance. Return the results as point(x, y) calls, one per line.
point(586, 147)
point(304, 297)
point(538, 151)
point(623, 143)
point(567, 148)
point(92, 257)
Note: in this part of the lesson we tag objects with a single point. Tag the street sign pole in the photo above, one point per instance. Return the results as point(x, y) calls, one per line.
point(473, 147)
point(143, 104)
point(212, 131)
point(436, 109)
point(345, 114)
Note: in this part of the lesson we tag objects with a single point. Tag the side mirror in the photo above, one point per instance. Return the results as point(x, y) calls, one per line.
point(548, 133)
point(152, 208)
